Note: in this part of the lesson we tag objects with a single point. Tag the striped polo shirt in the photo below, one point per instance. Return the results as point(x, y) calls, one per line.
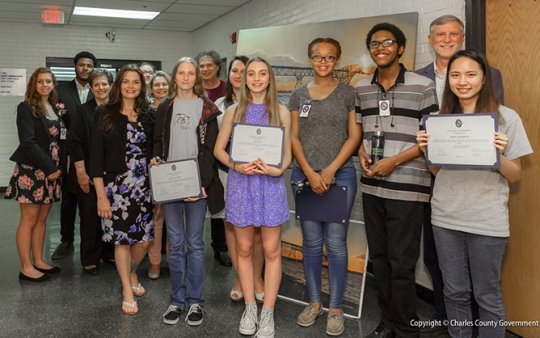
point(411, 97)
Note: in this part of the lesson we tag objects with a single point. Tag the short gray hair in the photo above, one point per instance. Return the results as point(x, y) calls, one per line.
point(210, 54)
point(442, 20)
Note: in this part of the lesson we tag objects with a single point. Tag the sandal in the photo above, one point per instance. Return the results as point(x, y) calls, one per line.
point(138, 290)
point(126, 305)
point(259, 297)
point(237, 296)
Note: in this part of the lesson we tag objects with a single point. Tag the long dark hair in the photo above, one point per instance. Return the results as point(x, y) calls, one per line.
point(229, 91)
point(487, 101)
point(113, 108)
point(34, 99)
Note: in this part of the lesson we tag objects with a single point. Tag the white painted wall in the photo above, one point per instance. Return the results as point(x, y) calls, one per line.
point(27, 45)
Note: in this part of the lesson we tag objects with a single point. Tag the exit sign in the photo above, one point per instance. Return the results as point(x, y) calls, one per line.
point(50, 16)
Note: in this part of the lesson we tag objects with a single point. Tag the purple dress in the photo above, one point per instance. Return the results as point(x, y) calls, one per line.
point(256, 199)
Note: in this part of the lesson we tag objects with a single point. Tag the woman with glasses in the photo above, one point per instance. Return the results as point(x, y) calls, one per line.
point(324, 137)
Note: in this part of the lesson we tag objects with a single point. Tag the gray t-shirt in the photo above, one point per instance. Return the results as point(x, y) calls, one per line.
point(475, 200)
point(325, 128)
point(185, 120)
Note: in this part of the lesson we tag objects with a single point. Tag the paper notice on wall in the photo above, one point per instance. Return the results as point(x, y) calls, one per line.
point(12, 82)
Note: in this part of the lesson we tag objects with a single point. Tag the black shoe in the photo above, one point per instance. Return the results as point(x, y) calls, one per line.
point(43, 278)
point(53, 270)
point(62, 250)
point(434, 331)
point(223, 258)
point(382, 332)
point(195, 315)
point(172, 315)
point(91, 271)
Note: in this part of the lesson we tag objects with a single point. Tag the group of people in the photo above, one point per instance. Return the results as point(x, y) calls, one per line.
point(145, 117)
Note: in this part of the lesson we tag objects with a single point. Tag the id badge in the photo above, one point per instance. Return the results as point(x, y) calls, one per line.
point(305, 110)
point(384, 107)
point(63, 133)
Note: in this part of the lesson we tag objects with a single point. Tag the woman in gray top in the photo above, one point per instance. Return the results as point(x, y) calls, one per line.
point(324, 137)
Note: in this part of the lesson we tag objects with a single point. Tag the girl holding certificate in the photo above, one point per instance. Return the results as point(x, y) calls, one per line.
point(187, 128)
point(323, 152)
point(121, 136)
point(232, 92)
point(256, 195)
point(469, 205)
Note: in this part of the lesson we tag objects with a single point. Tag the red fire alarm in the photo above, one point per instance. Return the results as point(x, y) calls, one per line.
point(233, 38)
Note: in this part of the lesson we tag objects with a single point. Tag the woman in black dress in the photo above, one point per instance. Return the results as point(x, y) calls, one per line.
point(122, 133)
point(39, 159)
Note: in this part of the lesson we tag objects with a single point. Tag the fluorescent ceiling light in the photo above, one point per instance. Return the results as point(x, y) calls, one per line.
point(115, 13)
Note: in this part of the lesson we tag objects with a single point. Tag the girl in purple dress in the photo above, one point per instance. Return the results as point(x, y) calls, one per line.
point(256, 195)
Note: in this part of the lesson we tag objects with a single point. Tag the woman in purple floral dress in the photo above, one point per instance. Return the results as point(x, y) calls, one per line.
point(121, 136)
point(35, 182)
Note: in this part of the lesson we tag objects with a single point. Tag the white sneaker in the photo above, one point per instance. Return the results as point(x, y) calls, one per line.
point(266, 324)
point(248, 323)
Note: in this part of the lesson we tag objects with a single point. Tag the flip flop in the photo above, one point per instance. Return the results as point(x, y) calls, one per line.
point(130, 306)
point(137, 290)
point(239, 295)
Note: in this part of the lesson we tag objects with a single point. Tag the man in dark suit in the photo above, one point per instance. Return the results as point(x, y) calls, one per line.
point(72, 94)
point(446, 35)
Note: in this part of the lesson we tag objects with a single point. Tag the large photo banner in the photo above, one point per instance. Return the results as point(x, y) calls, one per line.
point(285, 47)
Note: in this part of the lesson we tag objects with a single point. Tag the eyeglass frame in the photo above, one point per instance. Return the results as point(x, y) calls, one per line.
point(372, 43)
point(323, 58)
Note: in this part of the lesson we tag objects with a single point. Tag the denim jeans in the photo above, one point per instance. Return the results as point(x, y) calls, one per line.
point(334, 236)
point(465, 258)
point(185, 223)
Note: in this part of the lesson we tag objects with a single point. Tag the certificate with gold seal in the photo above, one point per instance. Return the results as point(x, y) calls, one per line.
point(175, 181)
point(462, 140)
point(249, 142)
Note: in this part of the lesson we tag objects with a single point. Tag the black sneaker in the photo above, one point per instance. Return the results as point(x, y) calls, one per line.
point(195, 315)
point(172, 315)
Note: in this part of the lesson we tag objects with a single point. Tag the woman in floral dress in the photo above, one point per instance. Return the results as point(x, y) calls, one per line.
point(122, 133)
point(35, 182)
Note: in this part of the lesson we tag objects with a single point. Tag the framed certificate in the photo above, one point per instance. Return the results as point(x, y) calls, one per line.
point(249, 142)
point(462, 140)
point(175, 181)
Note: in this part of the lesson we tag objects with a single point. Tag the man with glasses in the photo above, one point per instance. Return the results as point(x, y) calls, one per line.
point(446, 36)
point(391, 104)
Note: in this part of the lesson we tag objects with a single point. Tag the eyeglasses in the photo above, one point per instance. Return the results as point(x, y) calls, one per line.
point(148, 72)
point(385, 43)
point(328, 58)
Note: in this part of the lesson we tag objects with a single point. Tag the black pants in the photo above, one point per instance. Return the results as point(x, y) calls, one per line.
point(68, 211)
point(92, 248)
point(393, 229)
point(217, 230)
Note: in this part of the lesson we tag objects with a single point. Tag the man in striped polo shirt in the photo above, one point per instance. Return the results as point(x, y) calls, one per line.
point(394, 188)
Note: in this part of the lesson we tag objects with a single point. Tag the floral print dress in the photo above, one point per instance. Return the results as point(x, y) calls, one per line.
point(29, 184)
point(129, 194)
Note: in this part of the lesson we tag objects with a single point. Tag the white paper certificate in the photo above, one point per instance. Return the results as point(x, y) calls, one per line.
point(462, 140)
point(249, 142)
point(173, 181)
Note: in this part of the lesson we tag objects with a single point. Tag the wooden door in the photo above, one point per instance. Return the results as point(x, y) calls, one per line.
point(512, 41)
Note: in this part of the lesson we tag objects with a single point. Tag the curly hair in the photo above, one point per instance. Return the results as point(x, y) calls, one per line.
point(385, 26)
point(210, 54)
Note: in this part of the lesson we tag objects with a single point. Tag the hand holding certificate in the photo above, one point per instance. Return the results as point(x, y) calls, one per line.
point(462, 140)
point(173, 181)
point(249, 142)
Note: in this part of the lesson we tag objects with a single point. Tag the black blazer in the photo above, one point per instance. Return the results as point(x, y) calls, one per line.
point(69, 96)
point(79, 142)
point(108, 151)
point(496, 78)
point(34, 142)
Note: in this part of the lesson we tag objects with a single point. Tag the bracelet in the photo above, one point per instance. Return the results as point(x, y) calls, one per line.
point(234, 166)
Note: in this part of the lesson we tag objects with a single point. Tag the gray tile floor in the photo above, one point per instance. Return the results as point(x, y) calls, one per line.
point(74, 304)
